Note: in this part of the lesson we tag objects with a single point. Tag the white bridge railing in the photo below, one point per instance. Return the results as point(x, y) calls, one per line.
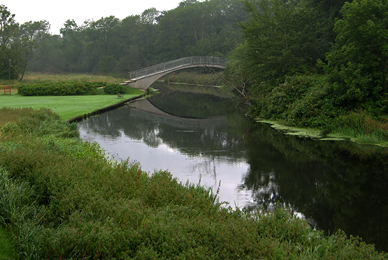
point(182, 62)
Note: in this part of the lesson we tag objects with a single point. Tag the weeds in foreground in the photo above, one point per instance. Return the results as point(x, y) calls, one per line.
point(62, 199)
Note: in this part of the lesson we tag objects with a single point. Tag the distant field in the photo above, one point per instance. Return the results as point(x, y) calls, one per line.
point(31, 78)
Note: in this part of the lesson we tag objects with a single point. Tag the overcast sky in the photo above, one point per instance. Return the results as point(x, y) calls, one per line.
point(57, 12)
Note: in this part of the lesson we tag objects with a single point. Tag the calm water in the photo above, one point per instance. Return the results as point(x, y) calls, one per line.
point(332, 184)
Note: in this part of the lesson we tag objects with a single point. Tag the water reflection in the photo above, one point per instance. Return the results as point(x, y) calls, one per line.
point(336, 185)
point(195, 150)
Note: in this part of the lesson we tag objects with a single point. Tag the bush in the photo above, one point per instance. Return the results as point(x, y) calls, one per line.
point(114, 89)
point(61, 88)
point(300, 101)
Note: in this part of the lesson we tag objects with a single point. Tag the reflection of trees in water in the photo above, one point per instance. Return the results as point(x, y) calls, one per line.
point(100, 124)
point(208, 140)
point(207, 166)
point(277, 177)
point(188, 104)
point(336, 184)
point(357, 191)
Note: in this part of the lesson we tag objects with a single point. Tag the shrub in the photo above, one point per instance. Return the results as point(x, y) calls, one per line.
point(114, 89)
point(301, 101)
point(61, 88)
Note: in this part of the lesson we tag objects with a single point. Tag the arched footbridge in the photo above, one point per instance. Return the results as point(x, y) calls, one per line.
point(143, 78)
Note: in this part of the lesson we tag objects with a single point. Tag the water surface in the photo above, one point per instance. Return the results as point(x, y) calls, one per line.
point(332, 184)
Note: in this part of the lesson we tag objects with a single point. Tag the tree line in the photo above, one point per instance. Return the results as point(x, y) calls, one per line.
point(113, 46)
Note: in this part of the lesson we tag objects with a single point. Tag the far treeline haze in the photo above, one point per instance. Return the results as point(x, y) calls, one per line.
point(111, 45)
point(304, 62)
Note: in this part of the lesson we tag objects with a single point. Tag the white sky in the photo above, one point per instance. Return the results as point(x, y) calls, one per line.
point(57, 12)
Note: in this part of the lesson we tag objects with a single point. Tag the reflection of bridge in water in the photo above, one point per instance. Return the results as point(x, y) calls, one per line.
point(145, 109)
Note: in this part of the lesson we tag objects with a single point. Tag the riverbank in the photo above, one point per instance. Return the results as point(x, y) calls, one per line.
point(308, 101)
point(75, 203)
point(317, 133)
point(67, 107)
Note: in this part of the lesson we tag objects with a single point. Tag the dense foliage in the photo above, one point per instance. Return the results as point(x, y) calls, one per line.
point(60, 89)
point(283, 38)
point(315, 63)
point(114, 89)
point(62, 199)
point(358, 62)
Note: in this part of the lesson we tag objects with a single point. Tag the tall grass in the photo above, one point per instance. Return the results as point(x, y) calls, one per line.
point(361, 126)
point(62, 199)
point(6, 250)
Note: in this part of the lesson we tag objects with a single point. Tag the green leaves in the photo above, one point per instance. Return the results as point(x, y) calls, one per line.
point(359, 57)
point(282, 39)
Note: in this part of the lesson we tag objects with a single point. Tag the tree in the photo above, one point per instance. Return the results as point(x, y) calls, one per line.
point(236, 73)
point(358, 62)
point(150, 16)
point(47, 55)
point(30, 35)
point(180, 30)
point(282, 39)
point(73, 46)
point(8, 28)
point(102, 44)
point(200, 28)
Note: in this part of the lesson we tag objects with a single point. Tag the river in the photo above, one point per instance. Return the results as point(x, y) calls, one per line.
point(334, 185)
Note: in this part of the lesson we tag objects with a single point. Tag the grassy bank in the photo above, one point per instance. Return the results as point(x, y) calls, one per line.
point(66, 106)
point(61, 199)
point(309, 101)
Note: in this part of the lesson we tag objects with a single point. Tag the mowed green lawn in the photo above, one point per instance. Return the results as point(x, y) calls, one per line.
point(66, 106)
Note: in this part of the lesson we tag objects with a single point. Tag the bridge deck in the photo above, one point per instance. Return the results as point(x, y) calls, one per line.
point(143, 78)
point(194, 61)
